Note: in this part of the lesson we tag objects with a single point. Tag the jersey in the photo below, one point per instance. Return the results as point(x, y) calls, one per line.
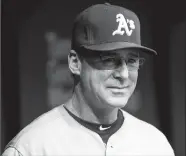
point(104, 130)
point(58, 133)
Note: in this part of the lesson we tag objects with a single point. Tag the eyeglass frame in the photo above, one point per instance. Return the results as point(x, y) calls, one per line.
point(92, 58)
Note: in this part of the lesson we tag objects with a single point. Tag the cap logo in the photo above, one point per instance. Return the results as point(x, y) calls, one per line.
point(124, 25)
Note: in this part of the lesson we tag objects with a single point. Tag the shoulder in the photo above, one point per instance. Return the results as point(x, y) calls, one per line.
point(39, 132)
point(146, 133)
point(140, 125)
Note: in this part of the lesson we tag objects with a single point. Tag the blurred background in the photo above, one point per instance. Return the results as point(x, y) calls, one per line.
point(34, 71)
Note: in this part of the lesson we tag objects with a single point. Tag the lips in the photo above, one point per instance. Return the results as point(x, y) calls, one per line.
point(119, 90)
point(118, 87)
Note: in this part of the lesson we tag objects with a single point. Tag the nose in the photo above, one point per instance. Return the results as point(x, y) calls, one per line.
point(121, 72)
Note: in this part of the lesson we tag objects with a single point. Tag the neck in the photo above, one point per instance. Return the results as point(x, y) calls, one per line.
point(88, 111)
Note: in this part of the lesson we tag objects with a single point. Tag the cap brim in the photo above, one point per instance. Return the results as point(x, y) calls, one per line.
point(120, 45)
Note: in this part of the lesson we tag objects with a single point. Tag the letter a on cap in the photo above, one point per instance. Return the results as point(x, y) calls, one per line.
point(123, 25)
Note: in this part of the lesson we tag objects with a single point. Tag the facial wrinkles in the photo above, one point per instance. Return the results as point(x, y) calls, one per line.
point(100, 79)
point(99, 76)
point(96, 84)
point(89, 80)
point(123, 81)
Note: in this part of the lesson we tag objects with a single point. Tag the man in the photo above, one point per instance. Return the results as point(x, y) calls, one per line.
point(104, 61)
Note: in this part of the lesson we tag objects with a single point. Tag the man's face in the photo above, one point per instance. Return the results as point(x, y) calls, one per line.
point(109, 78)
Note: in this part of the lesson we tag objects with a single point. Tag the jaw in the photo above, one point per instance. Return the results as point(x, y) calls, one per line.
point(119, 97)
point(117, 102)
point(92, 111)
point(109, 100)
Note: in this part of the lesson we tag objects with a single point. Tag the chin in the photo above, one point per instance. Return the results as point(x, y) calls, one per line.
point(117, 102)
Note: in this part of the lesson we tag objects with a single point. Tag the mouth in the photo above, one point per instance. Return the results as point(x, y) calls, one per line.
point(121, 90)
point(119, 87)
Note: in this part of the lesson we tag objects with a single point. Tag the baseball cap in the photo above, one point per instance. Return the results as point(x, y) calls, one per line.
point(106, 27)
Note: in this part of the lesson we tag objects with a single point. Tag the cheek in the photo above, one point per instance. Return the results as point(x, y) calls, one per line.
point(133, 77)
point(92, 78)
point(99, 79)
point(95, 79)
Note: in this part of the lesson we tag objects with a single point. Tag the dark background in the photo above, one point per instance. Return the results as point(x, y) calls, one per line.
point(26, 52)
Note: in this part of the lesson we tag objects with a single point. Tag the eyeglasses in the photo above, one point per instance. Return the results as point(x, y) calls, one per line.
point(111, 60)
point(114, 62)
point(105, 62)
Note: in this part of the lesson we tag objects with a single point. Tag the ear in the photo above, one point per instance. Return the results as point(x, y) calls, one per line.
point(74, 63)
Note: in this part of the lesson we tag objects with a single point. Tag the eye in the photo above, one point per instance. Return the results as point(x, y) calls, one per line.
point(141, 61)
point(110, 62)
point(132, 60)
point(108, 59)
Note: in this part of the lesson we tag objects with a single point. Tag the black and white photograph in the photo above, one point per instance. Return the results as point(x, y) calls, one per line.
point(92, 78)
